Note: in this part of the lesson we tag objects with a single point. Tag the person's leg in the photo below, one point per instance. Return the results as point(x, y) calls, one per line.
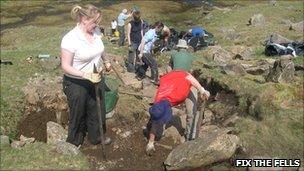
point(192, 114)
point(151, 61)
point(121, 31)
point(93, 122)
point(76, 96)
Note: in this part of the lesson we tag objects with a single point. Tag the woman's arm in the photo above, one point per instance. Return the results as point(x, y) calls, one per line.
point(66, 64)
point(128, 33)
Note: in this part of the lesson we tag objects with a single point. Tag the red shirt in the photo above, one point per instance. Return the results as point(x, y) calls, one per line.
point(174, 87)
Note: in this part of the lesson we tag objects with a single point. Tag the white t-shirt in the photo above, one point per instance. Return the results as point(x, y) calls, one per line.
point(113, 24)
point(86, 54)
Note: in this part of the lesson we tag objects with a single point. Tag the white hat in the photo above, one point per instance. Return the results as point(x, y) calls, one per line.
point(124, 11)
point(182, 43)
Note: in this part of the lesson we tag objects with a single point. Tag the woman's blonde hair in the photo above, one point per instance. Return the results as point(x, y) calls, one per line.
point(89, 11)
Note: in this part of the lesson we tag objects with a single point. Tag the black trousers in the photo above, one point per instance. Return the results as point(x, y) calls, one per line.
point(150, 61)
point(83, 115)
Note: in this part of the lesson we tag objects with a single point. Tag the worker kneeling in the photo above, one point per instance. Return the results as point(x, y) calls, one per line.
point(173, 90)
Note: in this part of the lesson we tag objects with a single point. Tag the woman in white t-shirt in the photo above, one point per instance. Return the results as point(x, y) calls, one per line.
point(81, 49)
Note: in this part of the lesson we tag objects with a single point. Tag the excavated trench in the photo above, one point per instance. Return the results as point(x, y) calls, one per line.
point(128, 149)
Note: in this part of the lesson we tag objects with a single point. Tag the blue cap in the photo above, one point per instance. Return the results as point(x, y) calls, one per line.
point(161, 111)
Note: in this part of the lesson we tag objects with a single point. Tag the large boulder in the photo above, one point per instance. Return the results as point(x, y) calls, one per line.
point(66, 148)
point(276, 38)
point(218, 54)
point(282, 71)
point(55, 133)
point(259, 68)
point(242, 52)
point(211, 148)
point(234, 69)
point(297, 26)
point(257, 20)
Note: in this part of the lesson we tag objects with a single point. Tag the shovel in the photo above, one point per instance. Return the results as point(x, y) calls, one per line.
point(99, 112)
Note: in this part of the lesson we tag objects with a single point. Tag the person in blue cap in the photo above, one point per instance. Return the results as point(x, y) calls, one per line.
point(173, 90)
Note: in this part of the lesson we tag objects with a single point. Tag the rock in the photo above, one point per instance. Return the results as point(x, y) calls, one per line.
point(261, 67)
point(286, 22)
point(4, 140)
point(231, 120)
point(55, 133)
point(188, 22)
point(175, 129)
point(257, 20)
point(234, 69)
point(218, 54)
point(214, 147)
point(276, 38)
point(242, 52)
point(130, 80)
point(282, 71)
point(149, 90)
point(208, 117)
point(297, 26)
point(230, 34)
point(126, 134)
point(17, 144)
point(27, 140)
point(66, 148)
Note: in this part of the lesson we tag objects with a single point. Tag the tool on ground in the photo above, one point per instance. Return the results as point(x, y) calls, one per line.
point(99, 112)
point(202, 105)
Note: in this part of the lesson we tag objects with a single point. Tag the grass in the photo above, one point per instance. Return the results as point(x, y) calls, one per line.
point(279, 133)
point(40, 156)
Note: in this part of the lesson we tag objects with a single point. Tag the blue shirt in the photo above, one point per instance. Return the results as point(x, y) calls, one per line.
point(150, 37)
point(197, 32)
point(121, 19)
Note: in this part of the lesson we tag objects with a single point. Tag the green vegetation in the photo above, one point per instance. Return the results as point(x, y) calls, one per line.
point(40, 156)
point(279, 133)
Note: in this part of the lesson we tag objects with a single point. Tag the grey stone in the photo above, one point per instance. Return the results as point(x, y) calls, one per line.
point(66, 148)
point(4, 140)
point(242, 52)
point(276, 38)
point(282, 71)
point(297, 26)
point(208, 117)
point(234, 69)
point(55, 133)
point(214, 147)
point(218, 54)
point(27, 140)
point(17, 144)
point(257, 20)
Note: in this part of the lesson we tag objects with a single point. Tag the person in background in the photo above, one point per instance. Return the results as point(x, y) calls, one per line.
point(113, 26)
point(81, 50)
point(146, 52)
point(182, 60)
point(134, 35)
point(165, 34)
point(121, 26)
point(173, 90)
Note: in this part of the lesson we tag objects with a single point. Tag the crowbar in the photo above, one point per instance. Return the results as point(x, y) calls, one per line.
point(99, 112)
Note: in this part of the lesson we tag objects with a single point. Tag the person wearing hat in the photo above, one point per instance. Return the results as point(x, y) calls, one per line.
point(121, 26)
point(182, 60)
point(134, 35)
point(173, 90)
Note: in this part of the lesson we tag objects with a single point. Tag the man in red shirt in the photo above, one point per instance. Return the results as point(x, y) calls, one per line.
point(173, 90)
